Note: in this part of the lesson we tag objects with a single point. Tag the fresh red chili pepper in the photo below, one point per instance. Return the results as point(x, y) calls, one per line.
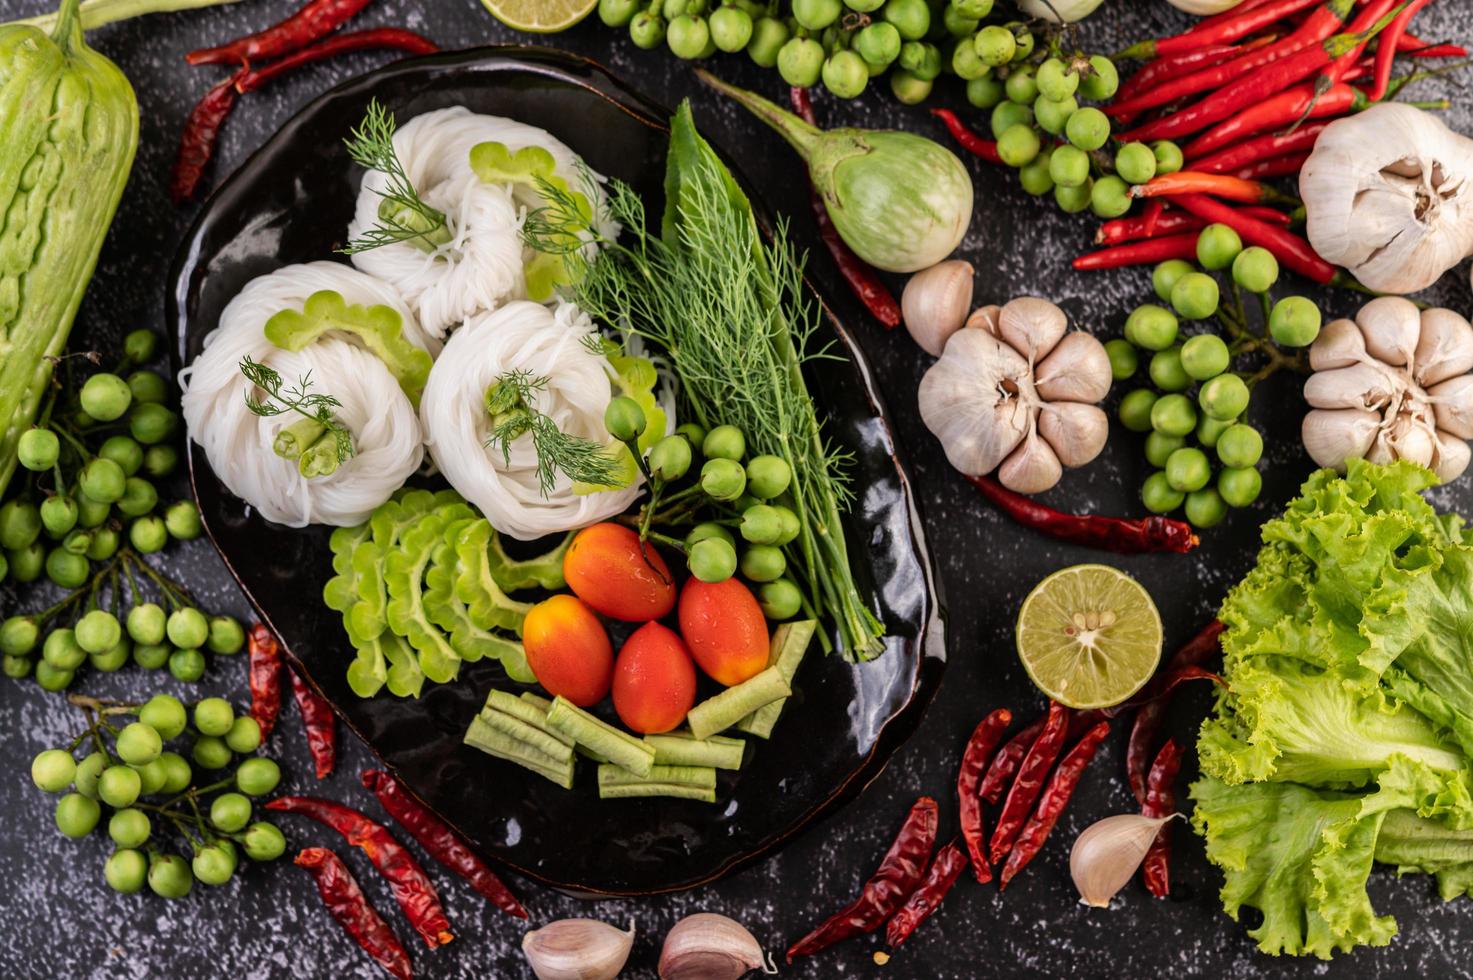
point(897, 876)
point(197, 141)
point(1227, 26)
point(1260, 148)
point(945, 869)
point(968, 139)
point(265, 678)
point(378, 39)
point(1418, 48)
point(442, 843)
point(979, 752)
point(1285, 166)
point(1118, 231)
point(316, 19)
point(1387, 47)
point(320, 724)
point(1194, 653)
point(1147, 252)
point(1161, 802)
point(863, 281)
point(1292, 251)
point(1223, 186)
point(1175, 66)
point(1124, 537)
point(1053, 801)
point(411, 886)
point(1325, 20)
point(345, 900)
point(1029, 781)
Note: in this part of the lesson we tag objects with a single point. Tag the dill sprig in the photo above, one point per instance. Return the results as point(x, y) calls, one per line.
point(300, 399)
point(510, 403)
point(403, 215)
point(735, 316)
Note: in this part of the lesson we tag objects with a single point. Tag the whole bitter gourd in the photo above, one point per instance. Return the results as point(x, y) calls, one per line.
point(68, 132)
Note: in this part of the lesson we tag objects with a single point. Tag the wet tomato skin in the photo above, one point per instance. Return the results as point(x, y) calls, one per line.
point(568, 649)
point(724, 628)
point(654, 680)
point(607, 568)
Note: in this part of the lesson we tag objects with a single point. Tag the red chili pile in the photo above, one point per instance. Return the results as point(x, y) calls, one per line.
point(304, 37)
point(1033, 777)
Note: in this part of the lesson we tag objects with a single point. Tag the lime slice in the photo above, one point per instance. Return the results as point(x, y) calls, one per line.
point(1089, 636)
point(540, 16)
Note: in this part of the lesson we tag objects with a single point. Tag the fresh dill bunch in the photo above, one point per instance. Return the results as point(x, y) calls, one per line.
point(318, 407)
point(509, 402)
point(403, 215)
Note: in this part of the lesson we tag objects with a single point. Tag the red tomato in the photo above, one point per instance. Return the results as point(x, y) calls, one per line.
point(606, 568)
point(654, 680)
point(568, 649)
point(725, 629)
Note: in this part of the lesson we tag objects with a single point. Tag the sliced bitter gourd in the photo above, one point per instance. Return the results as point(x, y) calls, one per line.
point(447, 611)
point(341, 591)
point(404, 677)
point(476, 585)
point(404, 570)
point(544, 571)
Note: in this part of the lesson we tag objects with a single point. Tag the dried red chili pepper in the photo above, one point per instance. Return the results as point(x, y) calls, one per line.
point(897, 876)
point(265, 678)
point(442, 843)
point(316, 19)
point(927, 897)
point(320, 724)
point(1160, 802)
point(1053, 801)
point(1146, 252)
point(863, 281)
point(966, 137)
point(344, 899)
point(978, 754)
point(1010, 756)
point(1124, 537)
point(411, 886)
point(1194, 653)
point(1169, 680)
point(1029, 781)
point(378, 39)
point(197, 141)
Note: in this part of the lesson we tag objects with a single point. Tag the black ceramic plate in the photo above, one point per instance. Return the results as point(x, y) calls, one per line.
point(291, 202)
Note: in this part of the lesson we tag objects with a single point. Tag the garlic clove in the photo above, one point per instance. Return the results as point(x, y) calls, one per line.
point(577, 949)
point(1381, 452)
point(1453, 456)
point(1078, 370)
point(935, 302)
point(706, 946)
point(1412, 439)
point(1391, 326)
point(1032, 326)
point(1075, 432)
point(1106, 854)
point(1333, 436)
point(1445, 349)
point(973, 401)
point(985, 318)
point(1340, 344)
point(1357, 386)
point(1452, 403)
point(1032, 468)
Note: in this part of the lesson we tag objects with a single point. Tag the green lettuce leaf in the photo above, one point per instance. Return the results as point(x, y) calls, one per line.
point(1419, 845)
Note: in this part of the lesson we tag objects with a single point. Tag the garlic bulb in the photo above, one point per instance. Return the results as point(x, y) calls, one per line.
point(935, 303)
point(1204, 8)
point(1055, 11)
point(707, 946)
point(577, 949)
point(1389, 196)
point(1107, 852)
point(1015, 392)
point(1392, 384)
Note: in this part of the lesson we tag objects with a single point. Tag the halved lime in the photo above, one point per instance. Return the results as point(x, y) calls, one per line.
point(1089, 636)
point(540, 16)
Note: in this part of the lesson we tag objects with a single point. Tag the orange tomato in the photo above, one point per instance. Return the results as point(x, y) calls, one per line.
point(654, 680)
point(569, 650)
point(725, 629)
point(606, 568)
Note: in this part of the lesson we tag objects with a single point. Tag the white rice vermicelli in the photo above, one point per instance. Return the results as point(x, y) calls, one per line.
point(547, 343)
point(483, 265)
point(388, 444)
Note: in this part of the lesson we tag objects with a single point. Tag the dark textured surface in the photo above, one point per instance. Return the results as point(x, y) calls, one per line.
point(64, 922)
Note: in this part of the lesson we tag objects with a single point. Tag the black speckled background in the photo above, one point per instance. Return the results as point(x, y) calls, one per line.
point(61, 920)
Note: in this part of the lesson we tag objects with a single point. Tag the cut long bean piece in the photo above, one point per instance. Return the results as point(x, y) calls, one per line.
point(487, 739)
point(701, 777)
point(528, 711)
point(681, 748)
point(632, 790)
point(618, 747)
point(545, 742)
point(790, 642)
point(719, 713)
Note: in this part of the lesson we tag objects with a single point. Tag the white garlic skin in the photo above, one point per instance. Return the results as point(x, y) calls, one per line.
point(1389, 195)
point(935, 302)
point(1014, 391)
